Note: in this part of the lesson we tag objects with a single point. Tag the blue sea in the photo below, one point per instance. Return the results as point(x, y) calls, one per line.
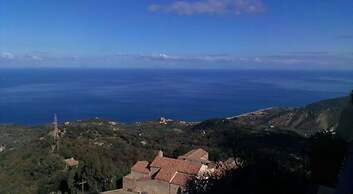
point(33, 96)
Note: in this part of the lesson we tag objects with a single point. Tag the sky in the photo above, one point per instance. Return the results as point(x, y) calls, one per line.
point(240, 34)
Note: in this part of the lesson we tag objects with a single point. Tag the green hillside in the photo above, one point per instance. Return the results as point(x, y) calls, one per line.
point(345, 127)
point(317, 117)
point(106, 150)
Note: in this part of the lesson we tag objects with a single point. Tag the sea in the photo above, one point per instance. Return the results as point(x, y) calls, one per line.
point(33, 96)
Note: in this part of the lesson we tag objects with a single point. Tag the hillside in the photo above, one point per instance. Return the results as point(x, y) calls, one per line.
point(320, 116)
point(16, 135)
point(106, 150)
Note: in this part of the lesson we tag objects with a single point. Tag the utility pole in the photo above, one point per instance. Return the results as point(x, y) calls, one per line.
point(56, 133)
point(82, 183)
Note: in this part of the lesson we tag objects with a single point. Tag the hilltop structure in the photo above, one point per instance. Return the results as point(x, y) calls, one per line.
point(56, 133)
point(2, 147)
point(164, 121)
point(71, 162)
point(167, 175)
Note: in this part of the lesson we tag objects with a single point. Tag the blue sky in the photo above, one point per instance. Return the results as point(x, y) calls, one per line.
point(247, 34)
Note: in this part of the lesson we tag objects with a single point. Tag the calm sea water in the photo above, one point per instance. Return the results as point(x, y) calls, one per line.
point(29, 96)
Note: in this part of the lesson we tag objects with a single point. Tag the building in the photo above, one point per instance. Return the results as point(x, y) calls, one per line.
point(71, 162)
point(2, 147)
point(166, 175)
point(164, 121)
point(197, 155)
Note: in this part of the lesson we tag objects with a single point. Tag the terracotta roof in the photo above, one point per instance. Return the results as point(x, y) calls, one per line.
point(165, 174)
point(196, 154)
point(141, 166)
point(71, 162)
point(179, 165)
point(180, 179)
point(168, 168)
point(163, 162)
point(188, 167)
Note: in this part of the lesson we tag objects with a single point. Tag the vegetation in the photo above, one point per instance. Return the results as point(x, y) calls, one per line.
point(16, 135)
point(264, 173)
point(345, 128)
point(269, 172)
point(252, 178)
point(273, 156)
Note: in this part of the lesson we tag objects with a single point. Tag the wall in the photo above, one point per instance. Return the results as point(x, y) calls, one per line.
point(174, 189)
point(137, 175)
point(153, 187)
point(129, 184)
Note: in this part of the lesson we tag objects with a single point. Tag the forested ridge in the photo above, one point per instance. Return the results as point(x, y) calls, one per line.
point(106, 150)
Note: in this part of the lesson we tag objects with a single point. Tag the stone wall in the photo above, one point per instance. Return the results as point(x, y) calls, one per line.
point(153, 187)
point(129, 184)
point(137, 175)
point(174, 189)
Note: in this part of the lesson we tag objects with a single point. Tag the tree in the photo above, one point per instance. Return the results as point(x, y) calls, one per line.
point(326, 156)
point(97, 171)
point(262, 177)
point(345, 126)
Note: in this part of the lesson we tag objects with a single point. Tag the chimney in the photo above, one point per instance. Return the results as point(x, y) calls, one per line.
point(160, 153)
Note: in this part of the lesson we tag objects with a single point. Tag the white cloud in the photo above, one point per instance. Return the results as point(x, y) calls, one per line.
point(210, 7)
point(7, 55)
point(288, 60)
point(184, 58)
point(266, 61)
point(160, 56)
point(35, 57)
point(165, 56)
point(258, 59)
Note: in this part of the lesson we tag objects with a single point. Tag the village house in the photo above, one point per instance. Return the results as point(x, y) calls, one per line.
point(166, 175)
point(164, 121)
point(197, 155)
point(2, 147)
point(71, 162)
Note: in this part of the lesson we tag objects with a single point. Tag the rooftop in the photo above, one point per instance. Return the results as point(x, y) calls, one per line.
point(141, 166)
point(196, 154)
point(169, 167)
point(71, 162)
point(175, 171)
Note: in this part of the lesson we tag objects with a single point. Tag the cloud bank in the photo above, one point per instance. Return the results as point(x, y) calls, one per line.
point(345, 36)
point(312, 60)
point(210, 7)
point(7, 55)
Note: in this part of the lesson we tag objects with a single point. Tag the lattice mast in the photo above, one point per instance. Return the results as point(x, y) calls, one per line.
point(56, 133)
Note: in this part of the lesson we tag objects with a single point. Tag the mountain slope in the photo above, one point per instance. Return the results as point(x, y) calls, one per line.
point(320, 116)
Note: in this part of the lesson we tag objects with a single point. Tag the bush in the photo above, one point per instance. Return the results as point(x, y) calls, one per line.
point(262, 177)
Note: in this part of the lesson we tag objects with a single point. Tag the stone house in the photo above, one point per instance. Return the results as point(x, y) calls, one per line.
point(166, 175)
point(197, 155)
point(71, 162)
point(2, 147)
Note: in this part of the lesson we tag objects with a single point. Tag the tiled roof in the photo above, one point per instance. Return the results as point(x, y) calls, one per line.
point(162, 162)
point(188, 167)
point(196, 154)
point(141, 166)
point(165, 174)
point(180, 179)
point(71, 162)
point(168, 168)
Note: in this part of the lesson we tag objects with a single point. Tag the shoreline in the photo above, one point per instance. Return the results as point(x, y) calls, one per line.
point(259, 111)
